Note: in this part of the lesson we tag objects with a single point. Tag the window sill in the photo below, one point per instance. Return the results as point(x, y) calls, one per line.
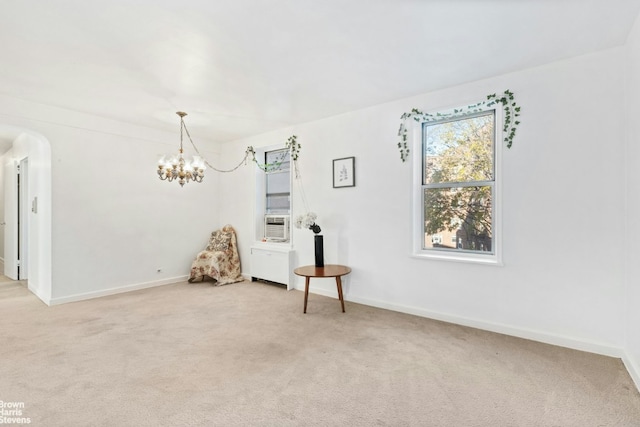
point(493, 260)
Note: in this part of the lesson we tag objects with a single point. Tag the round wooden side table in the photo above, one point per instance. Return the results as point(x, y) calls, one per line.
point(329, 270)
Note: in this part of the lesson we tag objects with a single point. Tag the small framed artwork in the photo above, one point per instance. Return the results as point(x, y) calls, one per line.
point(344, 172)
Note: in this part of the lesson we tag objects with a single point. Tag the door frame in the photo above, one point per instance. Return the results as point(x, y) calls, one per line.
point(37, 148)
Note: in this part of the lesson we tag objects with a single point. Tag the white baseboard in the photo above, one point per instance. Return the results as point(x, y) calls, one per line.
point(118, 290)
point(325, 292)
point(530, 334)
point(44, 298)
point(633, 369)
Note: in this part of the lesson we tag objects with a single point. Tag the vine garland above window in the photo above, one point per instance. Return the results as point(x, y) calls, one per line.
point(292, 146)
point(511, 122)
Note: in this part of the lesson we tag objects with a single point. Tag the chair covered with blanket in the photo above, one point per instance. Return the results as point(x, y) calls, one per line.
point(219, 260)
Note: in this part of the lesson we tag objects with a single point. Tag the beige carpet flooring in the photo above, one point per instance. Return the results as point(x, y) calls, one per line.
point(5, 279)
point(246, 355)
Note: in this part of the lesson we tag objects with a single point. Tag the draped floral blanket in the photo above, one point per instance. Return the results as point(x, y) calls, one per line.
point(219, 260)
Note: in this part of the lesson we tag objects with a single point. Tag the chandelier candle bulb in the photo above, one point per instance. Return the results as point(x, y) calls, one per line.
point(172, 167)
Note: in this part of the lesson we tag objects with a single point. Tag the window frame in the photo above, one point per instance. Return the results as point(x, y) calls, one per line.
point(417, 188)
point(260, 189)
point(286, 172)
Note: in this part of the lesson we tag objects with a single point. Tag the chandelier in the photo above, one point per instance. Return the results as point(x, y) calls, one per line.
point(175, 167)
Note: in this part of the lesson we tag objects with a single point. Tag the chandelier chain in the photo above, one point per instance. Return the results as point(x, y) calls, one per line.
point(179, 169)
point(242, 162)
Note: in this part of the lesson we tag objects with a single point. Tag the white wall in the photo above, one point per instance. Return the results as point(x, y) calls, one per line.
point(562, 279)
point(114, 223)
point(632, 156)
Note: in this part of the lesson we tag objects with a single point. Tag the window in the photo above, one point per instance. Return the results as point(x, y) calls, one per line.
point(278, 188)
point(456, 189)
point(273, 194)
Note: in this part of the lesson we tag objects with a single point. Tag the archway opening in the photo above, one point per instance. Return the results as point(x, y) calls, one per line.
point(23, 145)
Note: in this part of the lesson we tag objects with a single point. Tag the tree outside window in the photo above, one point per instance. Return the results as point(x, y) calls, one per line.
point(458, 183)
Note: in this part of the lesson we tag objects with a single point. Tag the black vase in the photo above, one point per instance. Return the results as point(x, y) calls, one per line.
point(319, 250)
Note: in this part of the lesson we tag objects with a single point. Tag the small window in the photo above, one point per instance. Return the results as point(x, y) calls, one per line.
point(278, 188)
point(457, 187)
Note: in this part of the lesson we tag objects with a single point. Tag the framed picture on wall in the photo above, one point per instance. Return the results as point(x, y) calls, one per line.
point(344, 172)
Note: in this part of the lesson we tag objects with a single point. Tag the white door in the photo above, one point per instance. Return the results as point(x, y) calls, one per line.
point(11, 219)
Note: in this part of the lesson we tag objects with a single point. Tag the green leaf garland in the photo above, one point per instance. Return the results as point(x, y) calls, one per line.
point(292, 145)
point(511, 122)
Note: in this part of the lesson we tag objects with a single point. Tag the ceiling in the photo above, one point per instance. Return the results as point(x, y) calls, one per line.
point(244, 67)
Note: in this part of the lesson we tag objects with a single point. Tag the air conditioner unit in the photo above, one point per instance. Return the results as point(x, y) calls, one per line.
point(276, 228)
